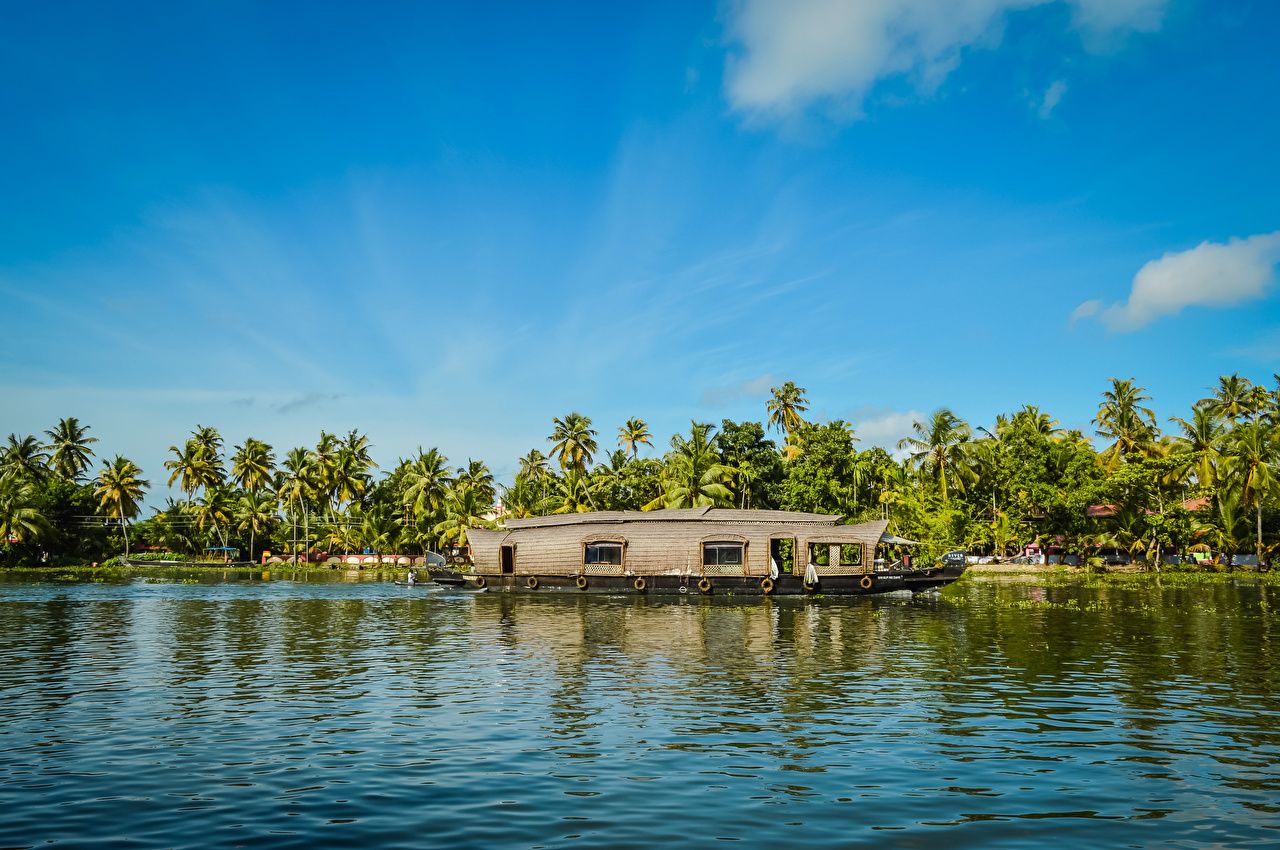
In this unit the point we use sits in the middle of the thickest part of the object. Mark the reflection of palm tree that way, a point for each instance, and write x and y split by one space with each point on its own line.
693 475
939 447
120 487
633 434
574 441
69 444
785 407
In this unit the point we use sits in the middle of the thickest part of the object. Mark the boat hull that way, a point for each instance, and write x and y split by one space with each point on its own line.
675 585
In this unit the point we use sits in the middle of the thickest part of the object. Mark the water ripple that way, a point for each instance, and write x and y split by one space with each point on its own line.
296 714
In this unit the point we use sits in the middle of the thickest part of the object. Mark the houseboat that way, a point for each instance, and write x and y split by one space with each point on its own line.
703 550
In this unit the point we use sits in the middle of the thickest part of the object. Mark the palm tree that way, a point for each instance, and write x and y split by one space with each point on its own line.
70 454
573 494
326 454
120 487
693 475
1123 419
208 437
1041 423
1227 528
462 510
379 531
574 441
23 459
214 511
349 475
20 519
1200 444
1234 398
1251 462
255 512
477 478
192 467
252 465
426 481
785 407
297 486
633 434
939 448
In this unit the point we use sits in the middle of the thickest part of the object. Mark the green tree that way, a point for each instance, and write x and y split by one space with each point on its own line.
253 465
1251 464
693 475
755 461
21 520
69 452
23 459
938 449
573 441
255 512
1234 399
1200 445
819 479
785 406
120 488
633 434
1123 419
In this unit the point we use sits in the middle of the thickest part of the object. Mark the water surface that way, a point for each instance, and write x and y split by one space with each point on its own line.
312 713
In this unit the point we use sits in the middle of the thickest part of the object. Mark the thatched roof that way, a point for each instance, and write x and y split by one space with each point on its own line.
705 514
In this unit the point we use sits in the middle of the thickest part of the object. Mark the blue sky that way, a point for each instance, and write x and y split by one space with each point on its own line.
446 225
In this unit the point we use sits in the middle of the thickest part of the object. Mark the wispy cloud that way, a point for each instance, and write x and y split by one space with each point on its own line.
792 55
743 390
1052 97
1212 274
304 401
884 428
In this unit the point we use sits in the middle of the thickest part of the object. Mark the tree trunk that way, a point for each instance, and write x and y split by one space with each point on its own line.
251 558
1258 508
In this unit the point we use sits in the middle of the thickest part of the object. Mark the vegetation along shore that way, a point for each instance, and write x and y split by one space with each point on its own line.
1195 492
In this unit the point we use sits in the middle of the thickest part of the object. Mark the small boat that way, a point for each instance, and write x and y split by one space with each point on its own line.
705 551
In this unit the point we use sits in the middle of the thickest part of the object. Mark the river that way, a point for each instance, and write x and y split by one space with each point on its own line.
316 712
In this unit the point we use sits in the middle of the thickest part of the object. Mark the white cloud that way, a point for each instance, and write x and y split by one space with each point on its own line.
1086 310
1052 97
753 388
1212 274
885 428
799 52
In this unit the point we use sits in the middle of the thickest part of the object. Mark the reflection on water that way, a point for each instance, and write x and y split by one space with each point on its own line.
305 713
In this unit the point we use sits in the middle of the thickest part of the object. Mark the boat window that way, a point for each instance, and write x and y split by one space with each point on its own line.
728 553
850 554
603 553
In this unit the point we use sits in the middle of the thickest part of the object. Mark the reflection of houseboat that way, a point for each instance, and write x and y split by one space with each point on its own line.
695 550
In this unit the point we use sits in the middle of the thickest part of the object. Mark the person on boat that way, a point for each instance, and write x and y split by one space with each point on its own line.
413 577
